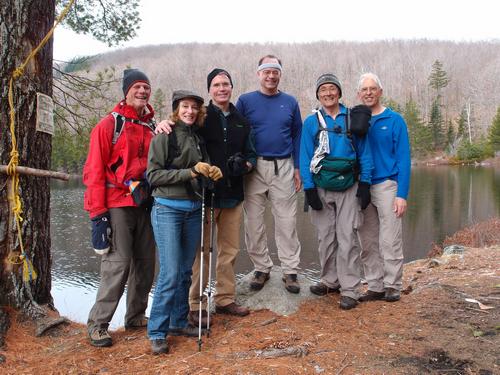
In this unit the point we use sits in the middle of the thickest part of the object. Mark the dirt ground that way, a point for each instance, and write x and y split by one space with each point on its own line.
431 330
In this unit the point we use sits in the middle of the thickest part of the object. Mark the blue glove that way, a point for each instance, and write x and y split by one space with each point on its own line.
101 233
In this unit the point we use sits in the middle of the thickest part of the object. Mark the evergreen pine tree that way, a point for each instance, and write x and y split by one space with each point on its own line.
438 79
461 123
436 125
450 135
494 132
158 103
420 137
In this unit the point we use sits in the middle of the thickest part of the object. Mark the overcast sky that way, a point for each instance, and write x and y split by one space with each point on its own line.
239 21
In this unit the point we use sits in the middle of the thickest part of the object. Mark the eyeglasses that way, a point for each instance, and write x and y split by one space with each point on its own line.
328 90
371 90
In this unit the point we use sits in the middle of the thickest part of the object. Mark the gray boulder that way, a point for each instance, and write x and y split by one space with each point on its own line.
273 295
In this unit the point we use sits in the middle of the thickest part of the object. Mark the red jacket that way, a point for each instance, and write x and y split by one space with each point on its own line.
108 166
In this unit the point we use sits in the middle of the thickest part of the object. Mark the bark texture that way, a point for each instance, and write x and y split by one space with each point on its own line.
23 24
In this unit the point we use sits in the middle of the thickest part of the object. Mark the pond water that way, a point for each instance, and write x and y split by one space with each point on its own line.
442 200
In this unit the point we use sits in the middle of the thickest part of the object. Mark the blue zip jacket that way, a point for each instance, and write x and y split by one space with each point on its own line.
388 137
340 146
275 121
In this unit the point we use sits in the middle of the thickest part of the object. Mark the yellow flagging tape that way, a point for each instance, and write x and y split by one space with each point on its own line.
29 272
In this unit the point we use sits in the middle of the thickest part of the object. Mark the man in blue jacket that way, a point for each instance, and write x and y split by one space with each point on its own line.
335 208
381 234
276 126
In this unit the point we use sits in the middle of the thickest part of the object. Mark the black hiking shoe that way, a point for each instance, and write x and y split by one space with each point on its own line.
291 283
258 280
159 346
321 289
392 295
370 295
188 331
347 303
100 337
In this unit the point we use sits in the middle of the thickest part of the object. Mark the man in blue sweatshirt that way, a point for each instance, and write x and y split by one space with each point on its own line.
381 233
276 126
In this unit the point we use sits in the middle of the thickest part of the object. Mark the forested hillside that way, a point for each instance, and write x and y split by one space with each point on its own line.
450 89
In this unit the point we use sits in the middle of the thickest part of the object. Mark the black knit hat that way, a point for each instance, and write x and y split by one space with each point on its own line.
215 73
178 95
131 76
328 78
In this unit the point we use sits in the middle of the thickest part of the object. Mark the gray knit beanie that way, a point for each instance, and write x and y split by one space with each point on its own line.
328 78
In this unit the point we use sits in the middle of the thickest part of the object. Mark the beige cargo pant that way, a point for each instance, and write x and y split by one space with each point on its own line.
227 240
336 224
272 180
382 239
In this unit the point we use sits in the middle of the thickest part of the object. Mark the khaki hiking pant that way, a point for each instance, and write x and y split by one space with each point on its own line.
338 250
227 240
131 262
382 239
272 180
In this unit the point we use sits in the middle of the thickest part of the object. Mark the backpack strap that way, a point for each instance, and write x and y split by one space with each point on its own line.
120 122
173 148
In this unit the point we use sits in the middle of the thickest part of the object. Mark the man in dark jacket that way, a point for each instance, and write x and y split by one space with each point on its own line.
227 136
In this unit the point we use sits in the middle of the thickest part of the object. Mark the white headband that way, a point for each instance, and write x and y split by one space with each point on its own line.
268 66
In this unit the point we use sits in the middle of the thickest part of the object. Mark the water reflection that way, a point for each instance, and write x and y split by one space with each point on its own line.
442 200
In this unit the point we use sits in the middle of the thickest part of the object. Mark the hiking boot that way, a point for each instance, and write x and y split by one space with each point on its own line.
194 318
137 324
159 346
321 289
291 283
100 337
188 331
232 309
370 295
258 280
392 295
347 303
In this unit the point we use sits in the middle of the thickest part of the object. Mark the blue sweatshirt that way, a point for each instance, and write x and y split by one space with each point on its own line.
388 137
340 146
275 121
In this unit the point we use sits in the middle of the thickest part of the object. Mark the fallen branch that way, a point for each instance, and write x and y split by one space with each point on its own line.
291 351
37 172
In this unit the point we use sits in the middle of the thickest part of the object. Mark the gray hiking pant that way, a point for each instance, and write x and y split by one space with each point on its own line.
382 239
336 224
131 262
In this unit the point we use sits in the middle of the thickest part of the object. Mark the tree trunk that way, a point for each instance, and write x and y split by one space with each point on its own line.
23 24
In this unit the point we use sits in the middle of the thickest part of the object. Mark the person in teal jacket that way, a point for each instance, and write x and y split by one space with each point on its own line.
381 233
335 212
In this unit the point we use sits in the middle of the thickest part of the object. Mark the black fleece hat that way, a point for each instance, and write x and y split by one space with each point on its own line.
328 78
215 73
131 76
178 95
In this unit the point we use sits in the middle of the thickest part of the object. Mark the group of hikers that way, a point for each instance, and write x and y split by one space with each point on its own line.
150 185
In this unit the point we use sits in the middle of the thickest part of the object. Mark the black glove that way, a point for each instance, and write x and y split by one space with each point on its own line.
237 165
101 233
363 194
313 199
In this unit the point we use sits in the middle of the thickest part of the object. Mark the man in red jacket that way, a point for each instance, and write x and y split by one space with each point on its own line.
121 229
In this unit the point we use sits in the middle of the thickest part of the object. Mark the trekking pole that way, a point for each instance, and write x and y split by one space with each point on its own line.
211 251
201 260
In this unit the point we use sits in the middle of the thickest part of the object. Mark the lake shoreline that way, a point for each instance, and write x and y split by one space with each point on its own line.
440 330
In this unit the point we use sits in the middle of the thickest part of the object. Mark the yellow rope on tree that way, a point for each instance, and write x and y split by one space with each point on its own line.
29 272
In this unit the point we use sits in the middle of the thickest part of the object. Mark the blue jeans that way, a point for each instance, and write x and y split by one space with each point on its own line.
177 235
